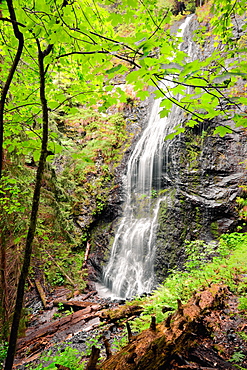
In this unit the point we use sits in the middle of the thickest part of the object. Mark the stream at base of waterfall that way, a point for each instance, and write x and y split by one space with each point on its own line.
130 270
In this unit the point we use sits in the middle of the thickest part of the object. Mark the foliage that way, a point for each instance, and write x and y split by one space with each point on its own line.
96 148
243 302
94 341
242 203
3 352
119 343
154 194
62 312
237 357
198 253
68 357
61 57
242 335
229 260
204 12
92 57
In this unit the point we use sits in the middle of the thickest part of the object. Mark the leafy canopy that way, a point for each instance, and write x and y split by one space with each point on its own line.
94 44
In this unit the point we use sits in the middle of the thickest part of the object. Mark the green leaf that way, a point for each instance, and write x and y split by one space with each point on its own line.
222 130
114 69
142 94
242 100
36 155
164 113
171 136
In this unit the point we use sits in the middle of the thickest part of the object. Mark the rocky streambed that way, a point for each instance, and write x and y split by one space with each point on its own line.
70 319
207 332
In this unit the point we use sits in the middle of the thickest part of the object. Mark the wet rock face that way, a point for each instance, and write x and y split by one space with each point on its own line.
202 177
103 229
202 174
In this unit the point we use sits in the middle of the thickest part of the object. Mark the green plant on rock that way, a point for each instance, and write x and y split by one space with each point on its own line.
243 302
229 259
198 253
94 341
91 167
154 193
242 203
119 343
56 279
65 268
68 357
242 335
237 357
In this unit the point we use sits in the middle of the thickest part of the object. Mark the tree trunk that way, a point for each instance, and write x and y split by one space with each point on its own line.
34 213
4 288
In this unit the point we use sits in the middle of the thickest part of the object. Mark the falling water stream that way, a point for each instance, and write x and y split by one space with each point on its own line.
130 268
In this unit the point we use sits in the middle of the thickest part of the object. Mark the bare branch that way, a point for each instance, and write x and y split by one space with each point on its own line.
115 42
12 21
20 106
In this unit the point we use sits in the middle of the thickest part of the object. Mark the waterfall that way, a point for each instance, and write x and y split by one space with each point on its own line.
130 268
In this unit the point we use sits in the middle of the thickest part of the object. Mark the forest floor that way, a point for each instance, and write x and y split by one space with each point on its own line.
211 337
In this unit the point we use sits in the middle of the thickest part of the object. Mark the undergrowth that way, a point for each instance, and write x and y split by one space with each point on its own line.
227 264
68 357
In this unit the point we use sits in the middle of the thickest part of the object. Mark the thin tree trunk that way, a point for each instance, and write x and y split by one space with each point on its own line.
4 287
33 219
6 86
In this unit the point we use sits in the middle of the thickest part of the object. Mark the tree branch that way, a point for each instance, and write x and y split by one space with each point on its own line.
158 26
82 53
20 106
115 42
14 22
176 102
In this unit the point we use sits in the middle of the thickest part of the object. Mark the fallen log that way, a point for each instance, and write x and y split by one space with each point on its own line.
76 305
86 296
153 349
40 337
122 312
206 357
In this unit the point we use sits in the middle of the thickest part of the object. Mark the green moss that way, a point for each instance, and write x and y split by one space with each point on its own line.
93 157
214 228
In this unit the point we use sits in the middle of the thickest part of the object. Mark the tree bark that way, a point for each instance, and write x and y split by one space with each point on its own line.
155 349
4 287
33 218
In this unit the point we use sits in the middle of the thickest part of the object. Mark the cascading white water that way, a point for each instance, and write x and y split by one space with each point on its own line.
130 269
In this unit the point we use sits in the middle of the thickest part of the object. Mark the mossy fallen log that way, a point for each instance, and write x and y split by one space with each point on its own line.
121 312
155 349
75 305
